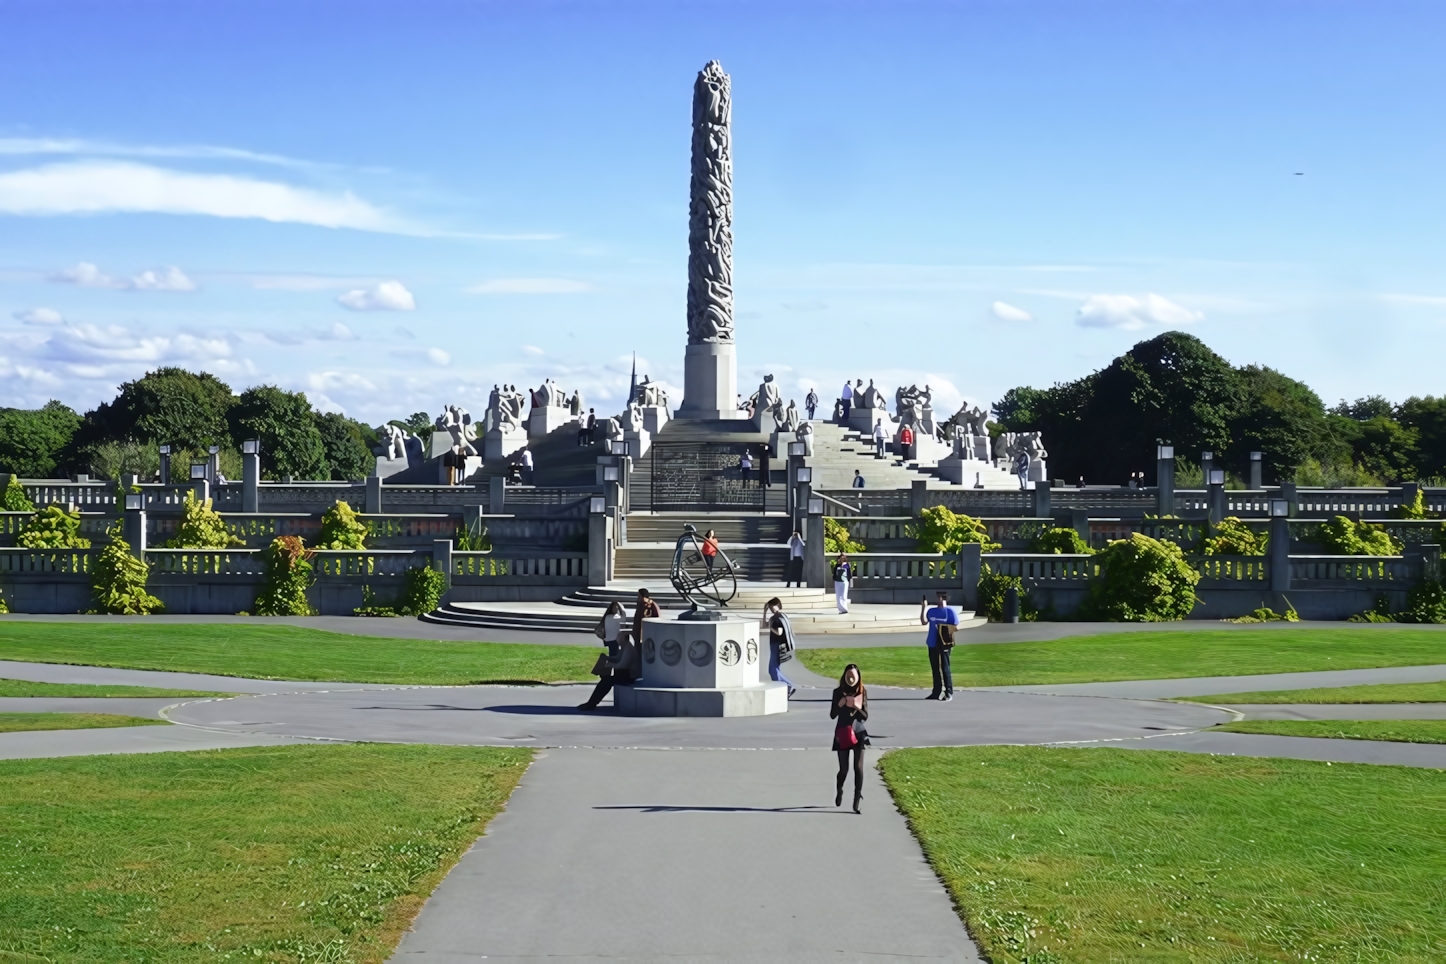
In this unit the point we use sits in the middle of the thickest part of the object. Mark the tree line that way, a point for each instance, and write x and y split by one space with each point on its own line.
1174 389
190 412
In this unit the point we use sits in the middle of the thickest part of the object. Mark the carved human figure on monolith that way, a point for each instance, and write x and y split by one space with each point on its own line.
710 210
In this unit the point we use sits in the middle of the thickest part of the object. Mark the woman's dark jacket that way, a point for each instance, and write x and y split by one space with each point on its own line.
854 718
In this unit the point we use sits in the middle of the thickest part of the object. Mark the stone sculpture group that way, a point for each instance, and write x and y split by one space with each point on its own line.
710 210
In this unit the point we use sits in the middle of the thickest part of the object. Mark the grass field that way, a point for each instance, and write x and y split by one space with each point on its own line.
297 853
1376 693
20 687
1092 856
1157 655
290 652
1395 731
22 722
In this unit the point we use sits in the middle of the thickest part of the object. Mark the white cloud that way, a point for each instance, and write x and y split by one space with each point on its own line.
339 332
163 279
39 316
530 286
86 275
1129 312
382 296
76 146
438 357
532 350
97 187
1007 312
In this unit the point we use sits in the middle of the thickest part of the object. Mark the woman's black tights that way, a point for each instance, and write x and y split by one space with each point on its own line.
843 769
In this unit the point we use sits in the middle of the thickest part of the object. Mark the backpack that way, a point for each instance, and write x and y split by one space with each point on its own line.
946 635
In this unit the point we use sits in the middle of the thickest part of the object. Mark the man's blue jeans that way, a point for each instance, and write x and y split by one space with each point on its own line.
775 673
939 667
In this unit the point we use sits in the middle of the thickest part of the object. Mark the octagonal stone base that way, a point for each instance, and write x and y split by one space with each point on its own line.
701 669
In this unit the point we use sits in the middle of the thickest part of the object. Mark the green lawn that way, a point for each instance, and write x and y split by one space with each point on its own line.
1375 693
1395 731
296 853
1102 855
20 687
20 722
1156 655
290 652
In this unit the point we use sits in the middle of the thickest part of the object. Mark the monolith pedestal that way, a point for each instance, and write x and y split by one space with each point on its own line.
701 668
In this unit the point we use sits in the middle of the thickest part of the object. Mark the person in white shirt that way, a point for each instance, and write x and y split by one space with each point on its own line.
745 465
795 560
527 466
879 439
847 398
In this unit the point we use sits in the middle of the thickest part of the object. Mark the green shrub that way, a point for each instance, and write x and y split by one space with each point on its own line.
1267 615
288 576
54 528
341 529
992 588
1425 603
1344 537
1231 537
939 530
118 580
4 606
1141 580
1415 509
1380 613
1060 541
15 499
836 538
478 541
423 590
1334 475
201 527
372 607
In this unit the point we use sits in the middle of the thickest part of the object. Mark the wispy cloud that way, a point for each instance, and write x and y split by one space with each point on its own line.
34 146
382 296
530 286
87 275
1007 312
1129 312
1416 299
39 316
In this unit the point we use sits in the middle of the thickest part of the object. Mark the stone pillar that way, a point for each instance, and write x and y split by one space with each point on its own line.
625 467
918 497
442 559
134 531
1207 462
815 563
496 495
1041 500
1165 480
1257 473
1079 520
1408 492
1215 499
202 489
599 549
1280 554
1288 493
165 465
970 568
710 382
374 495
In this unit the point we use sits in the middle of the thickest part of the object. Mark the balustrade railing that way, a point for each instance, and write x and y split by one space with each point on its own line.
486 566
891 568
51 562
1231 569
83 495
207 562
1038 568
1353 569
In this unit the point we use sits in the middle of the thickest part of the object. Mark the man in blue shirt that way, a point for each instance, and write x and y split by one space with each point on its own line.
939 653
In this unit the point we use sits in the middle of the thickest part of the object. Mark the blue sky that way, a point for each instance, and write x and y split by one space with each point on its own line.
394 206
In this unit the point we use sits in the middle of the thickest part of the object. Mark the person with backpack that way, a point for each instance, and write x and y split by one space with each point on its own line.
780 642
646 609
943 624
710 550
850 707
843 577
616 666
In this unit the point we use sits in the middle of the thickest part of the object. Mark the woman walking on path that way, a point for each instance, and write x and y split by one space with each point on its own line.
780 642
843 577
618 668
710 550
851 708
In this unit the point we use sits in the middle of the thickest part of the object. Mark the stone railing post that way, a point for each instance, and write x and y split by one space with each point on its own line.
599 543
1164 480
969 572
1215 499
1288 493
1279 547
1079 520
442 559
496 495
374 494
133 526
165 465
815 562
1041 499
1408 492
1257 470
918 497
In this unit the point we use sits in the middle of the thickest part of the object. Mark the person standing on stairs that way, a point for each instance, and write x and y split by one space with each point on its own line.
858 481
811 403
765 475
796 546
710 550
943 623
906 442
745 466
619 663
843 577
846 400
879 439
780 642
850 708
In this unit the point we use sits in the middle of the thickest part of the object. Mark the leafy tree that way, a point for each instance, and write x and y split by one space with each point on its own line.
1427 418
119 580
1387 449
419 424
111 460
1279 417
993 587
348 446
1060 541
15 499
1364 409
1142 580
169 406
288 576
1415 509
1343 536
939 530
53 528
33 441
1231 537
341 529
836 537
201 527
283 421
